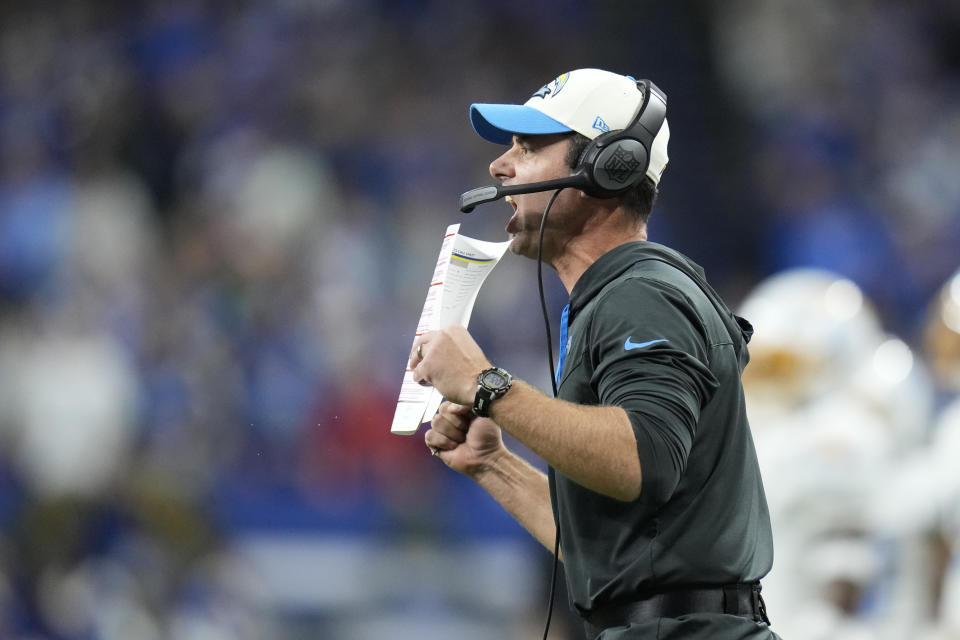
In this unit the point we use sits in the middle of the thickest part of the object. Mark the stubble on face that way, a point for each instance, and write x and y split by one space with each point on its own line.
543 158
564 223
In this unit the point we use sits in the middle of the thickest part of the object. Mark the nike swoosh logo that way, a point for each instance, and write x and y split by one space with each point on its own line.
640 345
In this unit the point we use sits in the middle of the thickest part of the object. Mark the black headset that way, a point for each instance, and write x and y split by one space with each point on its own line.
616 161
612 164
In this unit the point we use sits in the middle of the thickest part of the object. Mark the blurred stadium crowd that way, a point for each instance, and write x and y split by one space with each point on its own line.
217 222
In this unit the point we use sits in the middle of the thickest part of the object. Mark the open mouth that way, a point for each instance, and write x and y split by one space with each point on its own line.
513 225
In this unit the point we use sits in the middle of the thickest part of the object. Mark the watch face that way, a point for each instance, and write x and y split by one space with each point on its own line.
494 380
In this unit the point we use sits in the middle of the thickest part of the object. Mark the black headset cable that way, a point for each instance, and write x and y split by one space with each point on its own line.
553 382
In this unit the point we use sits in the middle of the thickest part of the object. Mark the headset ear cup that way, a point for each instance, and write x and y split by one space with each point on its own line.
620 165
588 164
616 161
613 164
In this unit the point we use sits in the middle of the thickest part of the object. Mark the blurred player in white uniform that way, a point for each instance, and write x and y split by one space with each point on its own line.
834 403
940 476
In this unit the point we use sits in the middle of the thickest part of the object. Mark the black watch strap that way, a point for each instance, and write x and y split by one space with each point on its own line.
492 383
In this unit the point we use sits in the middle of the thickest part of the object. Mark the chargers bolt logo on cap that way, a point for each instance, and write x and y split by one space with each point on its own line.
552 88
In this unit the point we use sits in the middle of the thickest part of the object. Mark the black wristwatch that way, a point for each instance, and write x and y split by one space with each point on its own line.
492 383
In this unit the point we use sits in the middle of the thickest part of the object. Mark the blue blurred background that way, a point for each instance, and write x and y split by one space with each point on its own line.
217 224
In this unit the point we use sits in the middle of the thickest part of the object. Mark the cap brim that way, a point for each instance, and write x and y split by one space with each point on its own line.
498 122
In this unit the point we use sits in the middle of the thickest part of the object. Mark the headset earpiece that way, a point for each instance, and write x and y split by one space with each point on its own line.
616 161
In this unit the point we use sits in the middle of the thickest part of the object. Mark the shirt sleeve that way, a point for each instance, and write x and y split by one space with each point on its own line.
650 355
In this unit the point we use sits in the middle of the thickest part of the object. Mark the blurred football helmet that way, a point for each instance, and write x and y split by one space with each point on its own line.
813 330
942 334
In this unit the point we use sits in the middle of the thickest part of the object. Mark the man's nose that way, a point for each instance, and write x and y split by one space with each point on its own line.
502 168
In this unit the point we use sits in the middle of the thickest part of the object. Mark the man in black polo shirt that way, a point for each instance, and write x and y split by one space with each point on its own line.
653 479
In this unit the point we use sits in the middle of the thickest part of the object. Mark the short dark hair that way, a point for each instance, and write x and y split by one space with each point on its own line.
638 200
